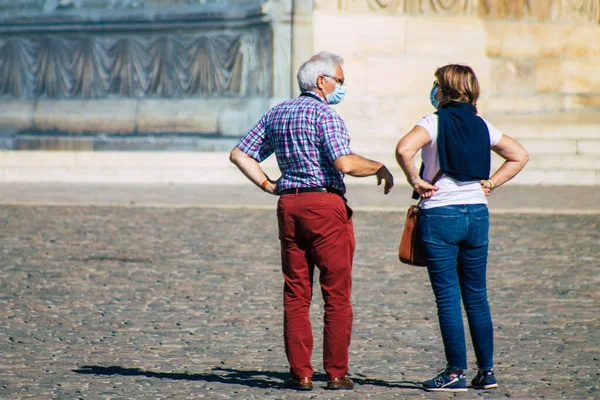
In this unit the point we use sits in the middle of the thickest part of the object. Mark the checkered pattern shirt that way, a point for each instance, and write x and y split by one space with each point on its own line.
306 136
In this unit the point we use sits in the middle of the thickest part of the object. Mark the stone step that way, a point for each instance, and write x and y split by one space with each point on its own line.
542 134
570 126
536 161
589 147
212 168
542 169
564 150
123 167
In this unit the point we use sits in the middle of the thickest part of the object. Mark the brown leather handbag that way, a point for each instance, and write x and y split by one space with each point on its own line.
411 250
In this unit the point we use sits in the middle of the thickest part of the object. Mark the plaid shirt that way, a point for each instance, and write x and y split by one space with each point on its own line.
306 136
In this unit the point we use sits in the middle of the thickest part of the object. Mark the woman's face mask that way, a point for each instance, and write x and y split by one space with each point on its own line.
434 102
337 95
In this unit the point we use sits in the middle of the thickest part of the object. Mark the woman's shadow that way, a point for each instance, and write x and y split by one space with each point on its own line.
255 379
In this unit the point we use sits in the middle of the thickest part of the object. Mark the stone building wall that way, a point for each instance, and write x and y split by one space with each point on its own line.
536 62
97 69
530 57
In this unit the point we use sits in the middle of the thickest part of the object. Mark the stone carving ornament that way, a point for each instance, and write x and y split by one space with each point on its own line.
61 5
390 5
582 10
570 11
567 11
409 7
224 64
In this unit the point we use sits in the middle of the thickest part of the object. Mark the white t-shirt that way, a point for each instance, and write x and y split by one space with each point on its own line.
451 192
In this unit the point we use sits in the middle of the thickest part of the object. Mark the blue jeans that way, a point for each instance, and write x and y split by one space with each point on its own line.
456 241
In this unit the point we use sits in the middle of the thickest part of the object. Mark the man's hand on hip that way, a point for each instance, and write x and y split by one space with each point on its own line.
272 187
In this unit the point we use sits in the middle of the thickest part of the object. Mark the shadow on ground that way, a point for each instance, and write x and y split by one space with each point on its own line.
255 379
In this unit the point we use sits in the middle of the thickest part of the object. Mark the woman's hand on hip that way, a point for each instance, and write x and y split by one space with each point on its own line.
424 188
487 186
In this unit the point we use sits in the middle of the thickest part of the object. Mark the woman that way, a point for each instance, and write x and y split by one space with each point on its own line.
454 220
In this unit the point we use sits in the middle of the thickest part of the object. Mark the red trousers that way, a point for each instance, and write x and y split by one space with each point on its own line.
315 229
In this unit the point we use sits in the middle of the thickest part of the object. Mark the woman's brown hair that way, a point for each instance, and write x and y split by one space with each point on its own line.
458 83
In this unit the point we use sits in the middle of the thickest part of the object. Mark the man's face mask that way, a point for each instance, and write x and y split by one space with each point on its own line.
338 93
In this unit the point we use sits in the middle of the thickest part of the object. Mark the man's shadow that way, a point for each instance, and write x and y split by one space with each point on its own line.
255 379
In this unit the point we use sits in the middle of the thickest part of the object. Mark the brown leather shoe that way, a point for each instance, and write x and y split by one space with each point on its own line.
298 383
344 383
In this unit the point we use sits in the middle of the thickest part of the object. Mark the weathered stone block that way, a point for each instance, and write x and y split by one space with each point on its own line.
581 76
512 77
16 114
525 40
137 175
38 159
501 35
589 146
583 42
237 116
59 174
55 143
81 116
334 7
548 76
557 146
571 76
109 159
177 116
283 78
413 75
568 162
441 36
550 125
551 39
359 34
400 75
555 177
577 102
211 171
520 104
371 117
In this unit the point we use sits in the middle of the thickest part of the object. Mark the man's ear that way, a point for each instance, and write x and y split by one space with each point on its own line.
320 84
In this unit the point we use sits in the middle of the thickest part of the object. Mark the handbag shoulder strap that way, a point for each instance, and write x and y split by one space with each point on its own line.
437 176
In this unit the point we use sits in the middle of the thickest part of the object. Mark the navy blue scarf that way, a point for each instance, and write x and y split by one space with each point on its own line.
463 143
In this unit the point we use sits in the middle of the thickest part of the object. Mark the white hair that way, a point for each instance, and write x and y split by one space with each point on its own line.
320 64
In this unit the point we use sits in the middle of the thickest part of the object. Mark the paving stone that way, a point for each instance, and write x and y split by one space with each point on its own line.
122 302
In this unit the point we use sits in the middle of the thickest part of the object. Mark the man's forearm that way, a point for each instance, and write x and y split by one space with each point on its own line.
355 165
249 166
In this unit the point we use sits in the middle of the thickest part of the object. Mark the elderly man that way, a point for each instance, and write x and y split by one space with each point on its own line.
312 147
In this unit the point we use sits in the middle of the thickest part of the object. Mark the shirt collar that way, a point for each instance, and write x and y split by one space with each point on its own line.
314 95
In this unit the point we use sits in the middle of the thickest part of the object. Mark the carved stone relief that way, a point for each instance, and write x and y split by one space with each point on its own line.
570 11
66 5
451 6
387 5
409 7
21 5
53 66
582 10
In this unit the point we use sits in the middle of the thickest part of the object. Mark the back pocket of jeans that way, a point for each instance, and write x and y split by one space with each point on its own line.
439 229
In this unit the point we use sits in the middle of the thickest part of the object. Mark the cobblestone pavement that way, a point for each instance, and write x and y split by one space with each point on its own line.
171 302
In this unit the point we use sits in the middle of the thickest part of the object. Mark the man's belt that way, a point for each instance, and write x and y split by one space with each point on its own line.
312 190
